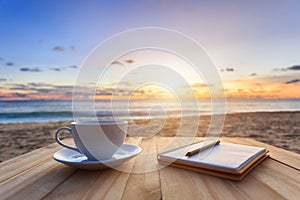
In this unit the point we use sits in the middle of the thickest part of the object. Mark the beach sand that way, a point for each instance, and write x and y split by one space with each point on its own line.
281 129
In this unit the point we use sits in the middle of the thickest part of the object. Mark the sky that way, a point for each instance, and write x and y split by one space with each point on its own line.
255 44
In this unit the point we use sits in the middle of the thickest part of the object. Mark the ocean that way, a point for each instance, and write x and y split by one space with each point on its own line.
55 111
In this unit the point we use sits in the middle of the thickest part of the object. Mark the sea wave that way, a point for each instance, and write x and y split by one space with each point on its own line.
57 116
55 111
35 114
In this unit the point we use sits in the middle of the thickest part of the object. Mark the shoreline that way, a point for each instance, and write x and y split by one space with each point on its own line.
281 129
137 117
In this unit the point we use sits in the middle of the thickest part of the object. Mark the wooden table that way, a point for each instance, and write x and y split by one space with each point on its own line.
36 175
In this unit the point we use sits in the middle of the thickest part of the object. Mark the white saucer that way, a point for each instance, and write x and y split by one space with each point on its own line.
78 160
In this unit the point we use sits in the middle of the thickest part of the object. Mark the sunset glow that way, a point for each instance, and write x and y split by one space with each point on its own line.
255 46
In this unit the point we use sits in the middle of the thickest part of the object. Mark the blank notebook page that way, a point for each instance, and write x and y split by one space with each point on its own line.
225 155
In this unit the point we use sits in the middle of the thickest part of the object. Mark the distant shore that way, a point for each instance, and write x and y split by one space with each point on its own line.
281 129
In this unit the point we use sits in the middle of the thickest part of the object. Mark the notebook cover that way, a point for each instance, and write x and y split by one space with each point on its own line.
225 175
225 157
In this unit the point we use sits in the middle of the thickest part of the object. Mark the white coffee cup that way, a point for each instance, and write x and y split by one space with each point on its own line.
98 140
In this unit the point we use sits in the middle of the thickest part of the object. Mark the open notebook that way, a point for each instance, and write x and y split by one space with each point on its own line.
226 160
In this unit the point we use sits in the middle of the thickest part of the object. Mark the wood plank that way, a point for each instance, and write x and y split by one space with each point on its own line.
102 184
270 178
35 175
25 162
142 185
184 184
215 188
35 182
77 186
113 188
289 158
176 183
280 178
248 188
169 143
180 183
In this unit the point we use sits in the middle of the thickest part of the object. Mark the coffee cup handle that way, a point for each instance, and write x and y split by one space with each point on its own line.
60 142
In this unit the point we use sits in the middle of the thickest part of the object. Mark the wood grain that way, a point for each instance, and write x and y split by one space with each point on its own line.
37 176
281 155
146 185
32 175
263 181
25 162
35 182
103 184
176 183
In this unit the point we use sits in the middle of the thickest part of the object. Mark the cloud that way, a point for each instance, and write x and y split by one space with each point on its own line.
200 85
10 64
43 90
294 68
58 48
20 95
18 85
72 48
38 91
12 95
253 74
73 67
104 93
27 69
39 84
64 87
129 61
229 69
56 69
117 63
3 79
20 88
1 58
111 91
280 69
293 81
34 87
